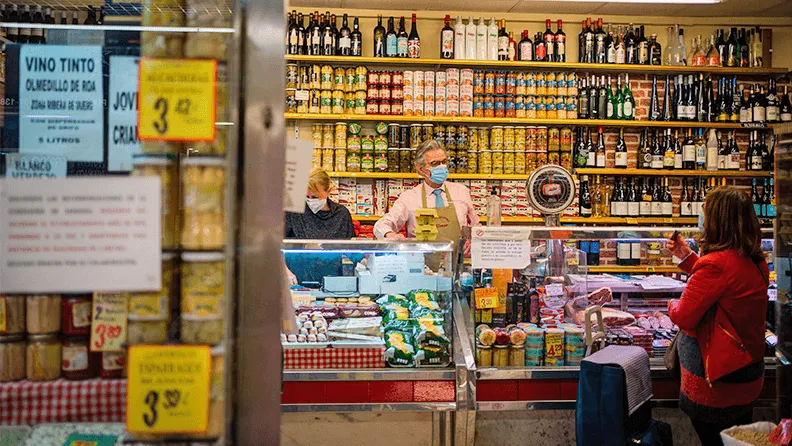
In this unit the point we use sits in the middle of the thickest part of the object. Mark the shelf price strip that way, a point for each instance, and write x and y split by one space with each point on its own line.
168 389
177 100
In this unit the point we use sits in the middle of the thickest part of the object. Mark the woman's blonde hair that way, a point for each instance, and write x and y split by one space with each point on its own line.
319 178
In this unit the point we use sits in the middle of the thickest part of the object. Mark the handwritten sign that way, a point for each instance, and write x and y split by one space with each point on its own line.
168 389
109 322
486 298
178 99
500 248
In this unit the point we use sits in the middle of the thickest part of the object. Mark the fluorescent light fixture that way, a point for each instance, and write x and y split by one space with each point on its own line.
655 2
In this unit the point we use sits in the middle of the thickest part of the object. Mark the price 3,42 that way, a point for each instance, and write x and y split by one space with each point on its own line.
183 107
171 399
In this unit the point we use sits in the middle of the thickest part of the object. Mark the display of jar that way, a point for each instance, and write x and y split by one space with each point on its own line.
43 314
155 305
166 168
217 146
207 45
43 358
203 211
202 297
146 331
112 365
484 355
77 361
12 358
76 315
500 356
12 320
517 355
162 13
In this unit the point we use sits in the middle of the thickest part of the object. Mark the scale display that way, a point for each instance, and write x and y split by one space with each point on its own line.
551 189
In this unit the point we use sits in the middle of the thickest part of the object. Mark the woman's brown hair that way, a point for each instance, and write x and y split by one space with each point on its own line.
730 223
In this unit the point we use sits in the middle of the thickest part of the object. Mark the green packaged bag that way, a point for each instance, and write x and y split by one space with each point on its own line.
386 299
431 355
399 349
431 332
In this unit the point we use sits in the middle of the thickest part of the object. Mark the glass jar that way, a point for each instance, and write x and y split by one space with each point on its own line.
166 169
12 320
78 362
216 378
155 305
202 298
146 331
76 315
517 355
43 359
202 330
203 211
484 355
112 365
12 358
43 314
500 357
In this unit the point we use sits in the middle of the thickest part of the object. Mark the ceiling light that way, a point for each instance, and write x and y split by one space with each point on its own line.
656 2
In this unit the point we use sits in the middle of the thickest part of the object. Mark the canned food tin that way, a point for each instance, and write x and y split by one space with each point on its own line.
566 139
439 133
485 162
554 158
551 84
530 139
541 139
473 138
497 162
429 79
484 139
472 161
466 76
315 73
508 162
520 83
385 107
478 105
489 105
554 139
418 79
572 85
304 78
549 102
408 78
500 82
384 93
372 107
393 159
397 93
397 79
500 106
511 82
406 160
292 75
519 137
385 78
373 78
326 77
566 160
441 79
478 82
452 76
396 107
496 136
361 78
541 109
452 107
339 79
407 107
530 84
560 106
489 82
508 135
367 162
367 143
314 100
510 106
541 84
466 108
316 159
338 101
291 100
418 107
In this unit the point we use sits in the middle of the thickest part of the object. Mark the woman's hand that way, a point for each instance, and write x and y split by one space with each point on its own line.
292 277
679 247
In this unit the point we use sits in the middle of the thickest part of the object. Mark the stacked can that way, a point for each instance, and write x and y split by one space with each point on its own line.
354 147
496 141
554 347
519 150
381 147
473 150
534 346
324 89
510 94
405 152
575 348
393 147
484 151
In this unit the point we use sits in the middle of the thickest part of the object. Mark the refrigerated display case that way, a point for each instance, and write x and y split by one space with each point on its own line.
783 267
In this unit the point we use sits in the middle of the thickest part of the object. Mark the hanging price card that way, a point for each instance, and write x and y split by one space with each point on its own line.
168 389
108 322
177 99
486 298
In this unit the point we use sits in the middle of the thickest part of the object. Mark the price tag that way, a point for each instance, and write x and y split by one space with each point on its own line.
177 99
168 389
555 290
301 95
668 220
632 221
486 298
650 269
108 322
554 346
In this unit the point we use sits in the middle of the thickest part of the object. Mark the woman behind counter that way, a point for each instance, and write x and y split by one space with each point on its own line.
722 316
323 219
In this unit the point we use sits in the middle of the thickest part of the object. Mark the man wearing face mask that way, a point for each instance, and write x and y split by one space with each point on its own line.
323 219
451 200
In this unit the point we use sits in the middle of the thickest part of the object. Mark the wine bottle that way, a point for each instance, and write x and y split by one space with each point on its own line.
745 61
667 111
621 50
549 40
448 39
655 53
620 157
736 99
629 100
668 154
722 154
610 47
503 41
720 44
591 152
630 46
328 37
734 154
668 202
767 156
593 99
689 152
678 164
392 39
654 105
644 151
345 37
732 49
759 106
643 48
701 150
600 50
757 200
379 39
37 33
414 41
657 152
589 53
602 104
772 109
560 43
583 100
356 39
618 99
785 113
600 157
526 47
633 200
684 200
657 198
645 207
585 197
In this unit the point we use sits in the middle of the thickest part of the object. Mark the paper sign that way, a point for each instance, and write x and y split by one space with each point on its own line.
20 165
505 254
555 290
298 167
122 113
486 298
178 99
168 389
384 265
109 322
78 235
61 94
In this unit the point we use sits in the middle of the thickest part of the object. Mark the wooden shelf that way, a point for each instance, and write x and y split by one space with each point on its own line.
452 176
578 220
633 269
513 121
673 173
541 66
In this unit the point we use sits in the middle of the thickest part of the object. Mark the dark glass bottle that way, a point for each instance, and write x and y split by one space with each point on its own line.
720 45
525 48
633 200
345 38
654 102
643 48
585 197
293 40
583 100
447 39
600 46
316 35
593 99
391 43
600 156
655 56
785 113
772 110
657 152
356 39
37 18
414 41
620 156
24 17
379 39
732 50
744 51
630 47
560 43
588 43
549 40
402 40
328 37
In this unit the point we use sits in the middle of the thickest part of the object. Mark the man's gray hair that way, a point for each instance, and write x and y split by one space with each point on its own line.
426 146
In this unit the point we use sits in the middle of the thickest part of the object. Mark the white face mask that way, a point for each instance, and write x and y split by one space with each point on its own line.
316 204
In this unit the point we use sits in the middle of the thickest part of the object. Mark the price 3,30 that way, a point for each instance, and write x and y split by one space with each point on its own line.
171 399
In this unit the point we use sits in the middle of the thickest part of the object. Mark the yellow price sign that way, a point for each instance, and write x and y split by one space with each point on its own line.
632 221
486 298
168 389
177 100
109 322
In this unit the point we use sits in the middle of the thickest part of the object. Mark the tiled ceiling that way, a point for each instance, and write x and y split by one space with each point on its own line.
727 8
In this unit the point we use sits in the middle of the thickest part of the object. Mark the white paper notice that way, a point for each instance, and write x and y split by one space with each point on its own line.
122 88
298 167
61 96
390 264
499 248
77 235
19 165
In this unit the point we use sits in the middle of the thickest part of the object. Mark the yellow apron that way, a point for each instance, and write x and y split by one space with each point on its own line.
448 227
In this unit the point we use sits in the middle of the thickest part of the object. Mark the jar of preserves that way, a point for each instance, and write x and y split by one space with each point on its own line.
340 160
472 161
155 305
353 162
12 320
393 159
517 355
327 159
484 355
405 160
146 331
508 162
112 365
76 314
201 330
500 356
43 314
43 358
12 358
519 162
485 162
78 362
203 210
166 169
497 162
203 297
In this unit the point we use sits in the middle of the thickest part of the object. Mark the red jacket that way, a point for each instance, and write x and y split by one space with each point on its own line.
731 336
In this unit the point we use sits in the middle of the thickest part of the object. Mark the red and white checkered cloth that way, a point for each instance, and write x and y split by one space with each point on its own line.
94 400
333 358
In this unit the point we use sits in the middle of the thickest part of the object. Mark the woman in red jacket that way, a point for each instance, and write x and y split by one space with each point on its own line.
722 316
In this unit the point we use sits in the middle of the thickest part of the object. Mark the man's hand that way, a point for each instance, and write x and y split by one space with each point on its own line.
394 236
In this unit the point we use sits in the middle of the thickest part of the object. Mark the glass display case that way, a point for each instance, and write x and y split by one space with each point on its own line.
783 270
365 304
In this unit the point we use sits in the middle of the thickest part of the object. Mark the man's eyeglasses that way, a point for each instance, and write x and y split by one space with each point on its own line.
437 163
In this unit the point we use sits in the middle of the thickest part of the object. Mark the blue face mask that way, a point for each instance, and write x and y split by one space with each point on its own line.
438 174
701 222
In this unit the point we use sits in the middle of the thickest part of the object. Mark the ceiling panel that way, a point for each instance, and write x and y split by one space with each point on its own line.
550 7
732 8
314 4
431 5
783 9
610 9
